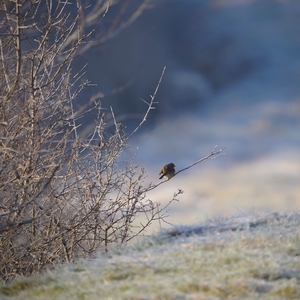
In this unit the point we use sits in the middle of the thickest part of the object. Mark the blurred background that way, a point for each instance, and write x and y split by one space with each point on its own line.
232 79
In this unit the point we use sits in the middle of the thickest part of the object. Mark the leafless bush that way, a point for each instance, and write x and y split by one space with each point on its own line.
61 197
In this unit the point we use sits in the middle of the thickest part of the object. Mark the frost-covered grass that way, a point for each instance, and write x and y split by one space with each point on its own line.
237 258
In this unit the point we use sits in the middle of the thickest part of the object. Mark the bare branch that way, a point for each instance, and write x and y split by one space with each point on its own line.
150 104
214 154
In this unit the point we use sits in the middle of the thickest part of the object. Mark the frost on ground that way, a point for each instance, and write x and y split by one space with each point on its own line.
255 257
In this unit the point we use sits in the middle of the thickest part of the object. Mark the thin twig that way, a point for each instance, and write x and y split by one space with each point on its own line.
117 126
214 154
150 104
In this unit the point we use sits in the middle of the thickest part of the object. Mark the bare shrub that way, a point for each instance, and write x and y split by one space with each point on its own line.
61 197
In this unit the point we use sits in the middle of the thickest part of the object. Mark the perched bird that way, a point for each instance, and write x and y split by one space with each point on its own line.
168 171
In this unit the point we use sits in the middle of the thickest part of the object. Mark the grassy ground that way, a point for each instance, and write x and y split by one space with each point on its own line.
238 258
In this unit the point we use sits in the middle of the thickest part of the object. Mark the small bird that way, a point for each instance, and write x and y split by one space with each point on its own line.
168 171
